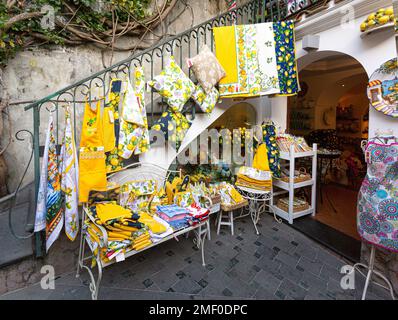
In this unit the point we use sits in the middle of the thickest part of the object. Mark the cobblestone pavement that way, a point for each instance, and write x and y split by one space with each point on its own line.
280 263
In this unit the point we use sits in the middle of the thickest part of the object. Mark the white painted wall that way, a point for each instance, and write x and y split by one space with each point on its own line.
371 51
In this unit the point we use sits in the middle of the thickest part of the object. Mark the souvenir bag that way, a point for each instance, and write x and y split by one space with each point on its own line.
140 195
92 171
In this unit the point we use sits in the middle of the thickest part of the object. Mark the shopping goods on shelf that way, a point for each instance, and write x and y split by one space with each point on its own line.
300 175
254 178
286 140
298 204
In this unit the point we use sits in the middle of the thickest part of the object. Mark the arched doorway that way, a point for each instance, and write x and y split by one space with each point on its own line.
332 110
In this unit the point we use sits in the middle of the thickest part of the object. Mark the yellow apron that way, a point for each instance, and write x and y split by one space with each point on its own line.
260 160
92 171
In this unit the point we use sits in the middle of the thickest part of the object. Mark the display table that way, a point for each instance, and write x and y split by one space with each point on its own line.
327 157
257 200
201 231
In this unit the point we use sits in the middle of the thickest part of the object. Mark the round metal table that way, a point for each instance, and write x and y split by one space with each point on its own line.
257 204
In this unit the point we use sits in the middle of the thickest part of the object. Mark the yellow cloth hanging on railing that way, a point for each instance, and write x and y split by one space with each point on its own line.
109 129
92 170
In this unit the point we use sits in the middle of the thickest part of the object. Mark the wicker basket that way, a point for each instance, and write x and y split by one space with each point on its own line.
304 176
231 207
297 208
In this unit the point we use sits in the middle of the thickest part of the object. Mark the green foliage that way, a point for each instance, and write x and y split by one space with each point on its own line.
85 18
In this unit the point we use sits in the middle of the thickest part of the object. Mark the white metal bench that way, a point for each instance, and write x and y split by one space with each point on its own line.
137 171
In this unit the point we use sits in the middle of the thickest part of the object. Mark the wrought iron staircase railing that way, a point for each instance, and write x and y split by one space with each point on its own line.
181 46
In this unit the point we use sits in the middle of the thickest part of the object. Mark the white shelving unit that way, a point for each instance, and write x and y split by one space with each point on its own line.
289 187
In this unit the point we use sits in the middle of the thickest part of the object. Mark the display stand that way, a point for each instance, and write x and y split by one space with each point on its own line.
291 186
370 273
135 172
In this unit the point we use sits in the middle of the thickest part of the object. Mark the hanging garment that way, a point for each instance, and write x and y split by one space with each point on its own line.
286 57
92 170
377 217
260 160
134 135
108 125
269 138
70 176
113 161
49 211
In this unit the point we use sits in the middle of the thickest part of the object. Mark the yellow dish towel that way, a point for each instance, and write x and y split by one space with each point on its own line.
151 223
109 130
110 211
260 160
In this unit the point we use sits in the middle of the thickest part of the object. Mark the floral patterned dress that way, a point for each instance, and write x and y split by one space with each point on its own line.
378 197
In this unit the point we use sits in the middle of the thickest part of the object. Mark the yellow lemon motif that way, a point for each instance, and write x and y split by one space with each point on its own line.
384 19
389 11
114 162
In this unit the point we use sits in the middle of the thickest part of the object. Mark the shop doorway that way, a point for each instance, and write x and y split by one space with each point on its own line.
332 110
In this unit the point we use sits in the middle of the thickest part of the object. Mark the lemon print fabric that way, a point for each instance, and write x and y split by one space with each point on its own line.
206 101
286 57
269 138
258 59
133 135
174 126
173 85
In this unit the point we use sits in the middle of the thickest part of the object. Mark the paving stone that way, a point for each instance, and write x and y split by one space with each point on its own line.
313 283
288 288
307 251
310 266
187 285
267 281
328 272
291 273
287 259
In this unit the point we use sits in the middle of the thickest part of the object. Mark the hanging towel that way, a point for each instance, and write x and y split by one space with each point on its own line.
134 135
70 177
286 57
113 161
225 43
49 212
92 170
108 125
267 65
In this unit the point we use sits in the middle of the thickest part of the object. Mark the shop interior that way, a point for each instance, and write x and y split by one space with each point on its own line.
332 111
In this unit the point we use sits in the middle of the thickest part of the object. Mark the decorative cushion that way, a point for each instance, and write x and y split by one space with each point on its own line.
205 101
174 125
207 69
173 85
